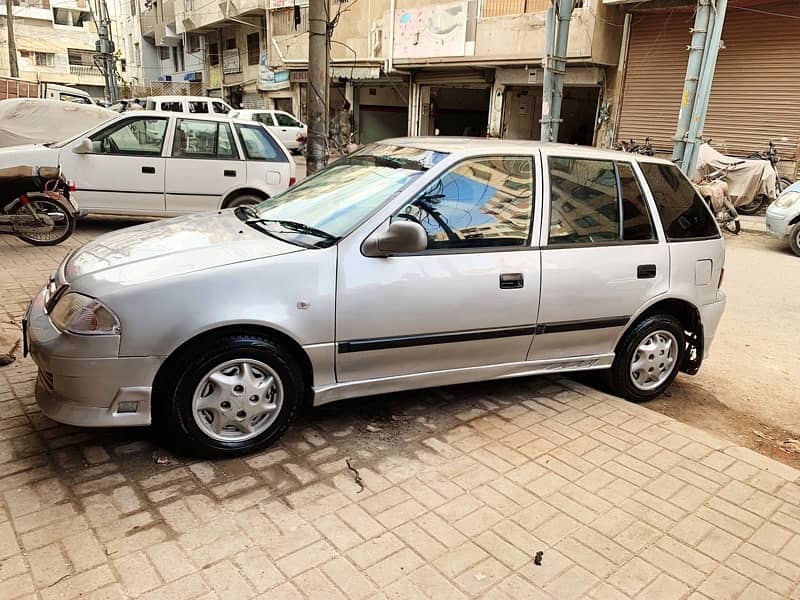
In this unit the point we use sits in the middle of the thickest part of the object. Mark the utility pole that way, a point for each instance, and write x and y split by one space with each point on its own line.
318 59
697 51
104 49
555 66
12 42
698 116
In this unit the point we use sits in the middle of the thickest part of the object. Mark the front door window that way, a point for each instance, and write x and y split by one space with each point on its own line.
482 202
132 137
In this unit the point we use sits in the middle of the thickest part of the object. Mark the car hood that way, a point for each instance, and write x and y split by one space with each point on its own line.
28 154
170 248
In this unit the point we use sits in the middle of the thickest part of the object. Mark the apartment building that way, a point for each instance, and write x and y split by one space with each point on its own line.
55 42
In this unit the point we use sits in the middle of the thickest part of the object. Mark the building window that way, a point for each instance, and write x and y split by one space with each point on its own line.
194 43
70 17
213 54
76 56
283 21
230 44
163 52
499 8
43 59
253 48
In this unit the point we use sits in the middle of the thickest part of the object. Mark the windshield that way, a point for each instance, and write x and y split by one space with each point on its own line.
340 197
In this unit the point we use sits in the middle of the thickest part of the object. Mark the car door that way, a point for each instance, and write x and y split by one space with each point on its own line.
471 299
203 165
602 260
268 166
287 128
124 172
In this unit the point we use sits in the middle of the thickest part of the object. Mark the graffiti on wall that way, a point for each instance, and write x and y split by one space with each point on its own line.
438 30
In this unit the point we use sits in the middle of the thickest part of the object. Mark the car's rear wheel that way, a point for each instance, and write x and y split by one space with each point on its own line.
648 358
236 394
794 239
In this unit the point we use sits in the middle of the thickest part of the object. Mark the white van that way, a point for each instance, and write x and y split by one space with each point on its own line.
188 104
54 91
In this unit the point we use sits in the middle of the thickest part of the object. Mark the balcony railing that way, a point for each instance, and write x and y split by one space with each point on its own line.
84 71
499 8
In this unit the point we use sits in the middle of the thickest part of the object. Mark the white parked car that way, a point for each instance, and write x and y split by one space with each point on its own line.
197 105
166 164
282 125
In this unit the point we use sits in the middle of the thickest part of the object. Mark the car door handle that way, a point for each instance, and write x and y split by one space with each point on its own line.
151 170
646 271
511 281
229 173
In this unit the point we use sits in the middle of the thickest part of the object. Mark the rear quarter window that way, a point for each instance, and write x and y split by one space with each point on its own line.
683 212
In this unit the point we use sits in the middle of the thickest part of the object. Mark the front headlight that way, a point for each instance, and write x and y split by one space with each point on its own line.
81 314
788 199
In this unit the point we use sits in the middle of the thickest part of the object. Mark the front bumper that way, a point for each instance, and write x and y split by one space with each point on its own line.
81 379
710 315
778 221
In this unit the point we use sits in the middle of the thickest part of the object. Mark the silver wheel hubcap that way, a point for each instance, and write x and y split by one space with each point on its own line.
237 400
654 360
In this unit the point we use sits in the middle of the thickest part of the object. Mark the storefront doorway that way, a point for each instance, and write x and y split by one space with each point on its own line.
459 111
522 111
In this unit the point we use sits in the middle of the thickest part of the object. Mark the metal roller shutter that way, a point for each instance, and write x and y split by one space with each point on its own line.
756 85
657 59
757 82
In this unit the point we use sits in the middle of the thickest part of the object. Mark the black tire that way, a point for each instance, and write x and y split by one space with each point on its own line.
733 226
176 399
794 239
620 378
244 200
52 238
783 183
752 207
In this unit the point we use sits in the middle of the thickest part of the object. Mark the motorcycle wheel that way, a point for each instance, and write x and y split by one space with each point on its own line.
63 226
733 226
752 207
783 183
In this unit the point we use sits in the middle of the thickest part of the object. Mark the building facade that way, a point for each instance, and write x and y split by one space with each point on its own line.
55 42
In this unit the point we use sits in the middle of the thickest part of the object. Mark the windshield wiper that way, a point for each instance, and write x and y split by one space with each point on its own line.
299 227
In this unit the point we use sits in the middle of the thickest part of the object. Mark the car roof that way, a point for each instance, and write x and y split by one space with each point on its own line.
183 115
473 146
193 98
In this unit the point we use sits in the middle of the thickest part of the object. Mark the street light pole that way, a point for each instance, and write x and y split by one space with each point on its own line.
12 44
318 59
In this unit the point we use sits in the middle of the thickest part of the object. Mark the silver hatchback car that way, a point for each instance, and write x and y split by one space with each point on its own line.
412 263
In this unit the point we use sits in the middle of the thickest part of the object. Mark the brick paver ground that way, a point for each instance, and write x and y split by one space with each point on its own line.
463 486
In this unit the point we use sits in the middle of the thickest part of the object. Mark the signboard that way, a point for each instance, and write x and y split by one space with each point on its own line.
230 61
268 78
437 30
278 4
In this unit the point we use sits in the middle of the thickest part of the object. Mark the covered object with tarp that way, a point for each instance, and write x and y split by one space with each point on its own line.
746 179
35 121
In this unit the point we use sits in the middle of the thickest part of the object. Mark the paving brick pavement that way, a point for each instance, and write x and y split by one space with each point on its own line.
462 487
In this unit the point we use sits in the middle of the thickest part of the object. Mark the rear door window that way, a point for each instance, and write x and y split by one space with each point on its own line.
259 145
198 107
172 106
683 212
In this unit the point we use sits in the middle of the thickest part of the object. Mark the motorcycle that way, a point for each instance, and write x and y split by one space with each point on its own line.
774 157
715 192
35 205
635 147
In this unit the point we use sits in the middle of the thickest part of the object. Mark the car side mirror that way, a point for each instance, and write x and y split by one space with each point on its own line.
400 237
83 147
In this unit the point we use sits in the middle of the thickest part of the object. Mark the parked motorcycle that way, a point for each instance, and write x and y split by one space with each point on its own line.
751 183
715 191
35 205
774 157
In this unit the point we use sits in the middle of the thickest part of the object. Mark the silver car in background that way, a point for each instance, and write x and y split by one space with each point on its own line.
783 217
412 263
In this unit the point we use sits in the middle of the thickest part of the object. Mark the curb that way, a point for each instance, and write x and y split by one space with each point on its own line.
753 224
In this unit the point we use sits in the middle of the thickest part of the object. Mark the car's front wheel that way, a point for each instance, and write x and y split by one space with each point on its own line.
648 358
234 395
794 239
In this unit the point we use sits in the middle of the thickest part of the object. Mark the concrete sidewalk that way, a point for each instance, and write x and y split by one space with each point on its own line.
444 493
753 223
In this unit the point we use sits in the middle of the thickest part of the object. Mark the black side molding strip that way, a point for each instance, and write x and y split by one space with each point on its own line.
410 341
565 326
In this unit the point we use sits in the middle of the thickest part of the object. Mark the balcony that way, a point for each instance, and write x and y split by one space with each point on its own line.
86 73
